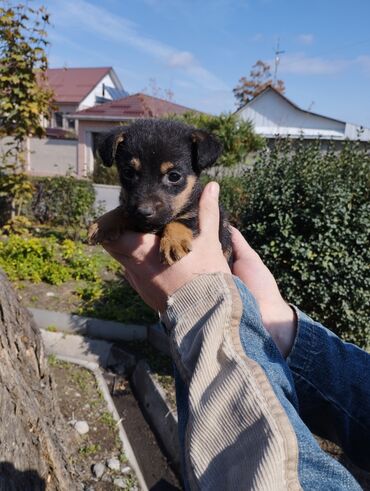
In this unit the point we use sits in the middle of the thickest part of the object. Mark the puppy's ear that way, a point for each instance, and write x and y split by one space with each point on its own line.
206 149
108 145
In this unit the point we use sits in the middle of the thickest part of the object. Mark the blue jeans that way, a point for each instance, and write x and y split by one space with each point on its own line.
323 387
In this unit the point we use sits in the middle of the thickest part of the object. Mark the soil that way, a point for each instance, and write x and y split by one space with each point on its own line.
60 298
161 367
155 467
80 399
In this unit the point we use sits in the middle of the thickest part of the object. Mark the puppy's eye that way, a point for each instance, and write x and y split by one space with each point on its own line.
174 176
128 173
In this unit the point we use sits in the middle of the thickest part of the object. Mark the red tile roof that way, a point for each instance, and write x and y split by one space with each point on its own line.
132 106
74 84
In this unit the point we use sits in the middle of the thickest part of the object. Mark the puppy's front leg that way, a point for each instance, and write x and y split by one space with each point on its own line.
108 227
175 242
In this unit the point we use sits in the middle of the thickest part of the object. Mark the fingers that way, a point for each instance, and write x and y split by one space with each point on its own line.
131 244
209 213
241 248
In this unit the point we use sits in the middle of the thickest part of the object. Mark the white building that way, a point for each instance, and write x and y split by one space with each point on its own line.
274 115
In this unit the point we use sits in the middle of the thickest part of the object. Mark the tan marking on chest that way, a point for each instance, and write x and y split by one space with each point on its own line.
165 167
182 199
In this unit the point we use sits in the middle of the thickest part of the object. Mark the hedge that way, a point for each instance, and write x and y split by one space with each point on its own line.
308 215
62 200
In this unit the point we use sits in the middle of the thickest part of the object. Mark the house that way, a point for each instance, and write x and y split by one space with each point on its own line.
104 117
79 88
274 115
74 89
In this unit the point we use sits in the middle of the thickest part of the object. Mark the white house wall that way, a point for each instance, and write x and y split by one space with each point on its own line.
271 114
90 99
355 132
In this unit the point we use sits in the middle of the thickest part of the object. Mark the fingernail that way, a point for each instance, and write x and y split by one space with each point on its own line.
214 189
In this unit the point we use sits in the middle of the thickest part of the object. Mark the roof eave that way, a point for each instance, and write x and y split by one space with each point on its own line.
98 117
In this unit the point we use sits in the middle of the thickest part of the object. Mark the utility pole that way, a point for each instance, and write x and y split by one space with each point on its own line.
278 52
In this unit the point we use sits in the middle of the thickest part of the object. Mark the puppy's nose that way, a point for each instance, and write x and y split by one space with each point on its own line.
146 210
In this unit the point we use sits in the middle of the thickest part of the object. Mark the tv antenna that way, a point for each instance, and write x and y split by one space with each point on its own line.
278 52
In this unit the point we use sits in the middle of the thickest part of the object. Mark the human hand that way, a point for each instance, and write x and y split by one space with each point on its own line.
154 281
277 316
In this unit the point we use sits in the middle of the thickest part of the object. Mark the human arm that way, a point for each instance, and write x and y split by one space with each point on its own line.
331 377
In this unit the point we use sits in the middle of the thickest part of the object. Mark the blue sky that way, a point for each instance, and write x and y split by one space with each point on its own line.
200 48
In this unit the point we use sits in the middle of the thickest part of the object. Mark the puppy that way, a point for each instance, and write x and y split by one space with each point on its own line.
159 163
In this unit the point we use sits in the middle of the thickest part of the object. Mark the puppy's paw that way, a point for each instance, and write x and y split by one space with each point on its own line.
175 242
108 227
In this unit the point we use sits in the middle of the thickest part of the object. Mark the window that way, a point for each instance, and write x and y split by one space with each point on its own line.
58 119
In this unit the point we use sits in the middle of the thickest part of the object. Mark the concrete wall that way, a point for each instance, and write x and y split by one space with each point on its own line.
52 156
107 196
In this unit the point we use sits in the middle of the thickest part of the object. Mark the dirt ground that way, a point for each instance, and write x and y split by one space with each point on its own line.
61 298
155 467
80 399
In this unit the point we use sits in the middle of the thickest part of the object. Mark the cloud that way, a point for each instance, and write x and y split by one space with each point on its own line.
300 64
181 59
306 39
97 21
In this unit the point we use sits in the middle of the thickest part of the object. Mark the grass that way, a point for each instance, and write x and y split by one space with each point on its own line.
52 328
52 360
90 449
82 378
107 419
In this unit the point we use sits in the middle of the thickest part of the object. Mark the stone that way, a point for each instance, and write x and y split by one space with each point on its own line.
119 483
125 469
113 464
81 427
98 469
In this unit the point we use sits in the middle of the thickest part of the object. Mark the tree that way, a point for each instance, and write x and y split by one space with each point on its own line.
33 455
237 136
157 91
260 77
24 102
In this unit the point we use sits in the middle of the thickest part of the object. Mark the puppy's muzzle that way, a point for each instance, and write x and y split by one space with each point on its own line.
145 211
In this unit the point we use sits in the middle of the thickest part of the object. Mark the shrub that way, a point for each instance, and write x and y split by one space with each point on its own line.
237 136
308 215
45 260
63 200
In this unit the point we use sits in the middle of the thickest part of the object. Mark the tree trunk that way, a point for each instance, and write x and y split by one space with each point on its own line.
33 455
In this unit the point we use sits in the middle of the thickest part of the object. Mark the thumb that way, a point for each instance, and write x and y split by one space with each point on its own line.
209 212
241 249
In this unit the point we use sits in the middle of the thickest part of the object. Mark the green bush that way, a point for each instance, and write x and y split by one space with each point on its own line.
308 215
62 201
45 260
237 136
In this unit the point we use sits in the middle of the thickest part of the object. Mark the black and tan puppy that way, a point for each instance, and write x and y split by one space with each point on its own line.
159 163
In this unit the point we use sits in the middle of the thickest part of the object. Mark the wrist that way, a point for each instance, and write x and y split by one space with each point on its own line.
282 327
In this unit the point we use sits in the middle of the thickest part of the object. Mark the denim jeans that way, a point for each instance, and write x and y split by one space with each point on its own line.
323 387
